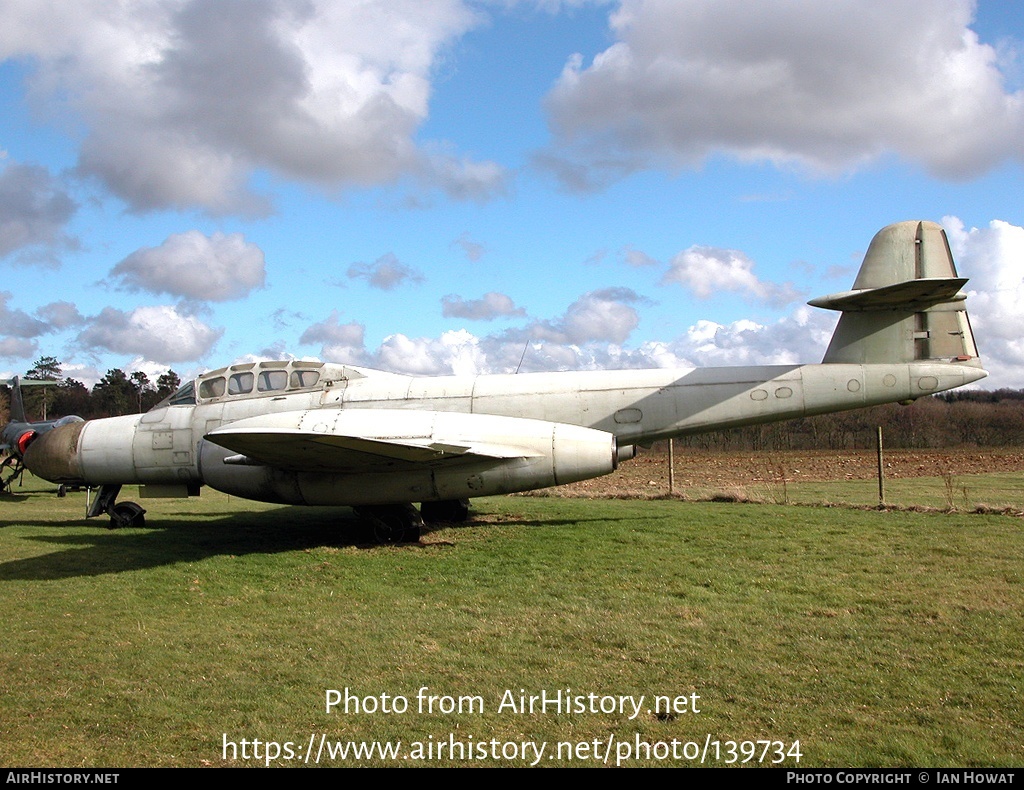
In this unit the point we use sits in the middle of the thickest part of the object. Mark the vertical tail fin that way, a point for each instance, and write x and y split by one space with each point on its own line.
906 304
17 404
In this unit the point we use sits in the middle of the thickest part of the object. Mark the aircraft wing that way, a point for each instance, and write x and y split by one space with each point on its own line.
365 439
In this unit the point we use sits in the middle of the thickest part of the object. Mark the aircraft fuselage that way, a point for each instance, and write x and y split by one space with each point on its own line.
168 448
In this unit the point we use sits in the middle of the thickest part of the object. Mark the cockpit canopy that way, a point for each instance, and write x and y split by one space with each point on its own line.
257 379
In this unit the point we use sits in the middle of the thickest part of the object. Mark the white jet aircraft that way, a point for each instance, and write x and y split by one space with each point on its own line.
316 433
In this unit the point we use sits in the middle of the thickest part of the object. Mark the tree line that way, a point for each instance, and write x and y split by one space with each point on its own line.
115 394
962 418
981 418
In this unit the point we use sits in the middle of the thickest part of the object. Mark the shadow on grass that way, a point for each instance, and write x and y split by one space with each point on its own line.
89 551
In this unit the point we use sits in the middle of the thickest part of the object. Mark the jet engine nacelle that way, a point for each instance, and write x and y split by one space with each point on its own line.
390 456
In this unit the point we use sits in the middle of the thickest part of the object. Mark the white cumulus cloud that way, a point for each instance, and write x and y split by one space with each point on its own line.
825 86
456 352
181 101
385 273
161 333
60 315
710 270
605 315
195 266
17 323
339 342
473 250
34 211
993 258
17 348
488 307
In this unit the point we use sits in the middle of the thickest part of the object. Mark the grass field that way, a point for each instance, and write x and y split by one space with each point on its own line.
872 638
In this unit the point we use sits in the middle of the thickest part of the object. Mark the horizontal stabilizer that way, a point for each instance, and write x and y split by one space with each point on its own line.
912 296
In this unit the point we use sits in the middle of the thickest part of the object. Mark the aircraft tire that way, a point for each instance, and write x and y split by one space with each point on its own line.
411 535
127 514
387 530
393 524
449 511
391 533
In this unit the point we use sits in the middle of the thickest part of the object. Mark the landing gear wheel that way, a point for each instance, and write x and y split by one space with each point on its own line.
393 523
387 528
127 514
449 511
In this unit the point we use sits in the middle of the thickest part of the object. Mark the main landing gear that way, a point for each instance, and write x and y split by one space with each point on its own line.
450 511
393 523
17 468
404 524
122 514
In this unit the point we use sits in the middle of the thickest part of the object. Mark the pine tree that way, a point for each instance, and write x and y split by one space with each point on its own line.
38 399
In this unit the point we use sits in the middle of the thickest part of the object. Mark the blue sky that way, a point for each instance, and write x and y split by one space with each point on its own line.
435 187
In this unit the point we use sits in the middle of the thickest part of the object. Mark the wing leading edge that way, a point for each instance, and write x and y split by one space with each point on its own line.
382 439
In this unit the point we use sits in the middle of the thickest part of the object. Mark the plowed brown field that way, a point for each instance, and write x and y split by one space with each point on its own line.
647 475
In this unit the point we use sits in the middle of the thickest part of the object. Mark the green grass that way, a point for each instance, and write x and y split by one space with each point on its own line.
874 638
960 492
1001 490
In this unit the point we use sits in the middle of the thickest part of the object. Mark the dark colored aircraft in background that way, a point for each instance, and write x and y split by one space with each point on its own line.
19 433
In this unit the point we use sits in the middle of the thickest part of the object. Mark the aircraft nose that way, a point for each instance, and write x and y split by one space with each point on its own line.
53 455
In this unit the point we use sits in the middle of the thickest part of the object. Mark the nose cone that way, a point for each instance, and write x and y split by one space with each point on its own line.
53 455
